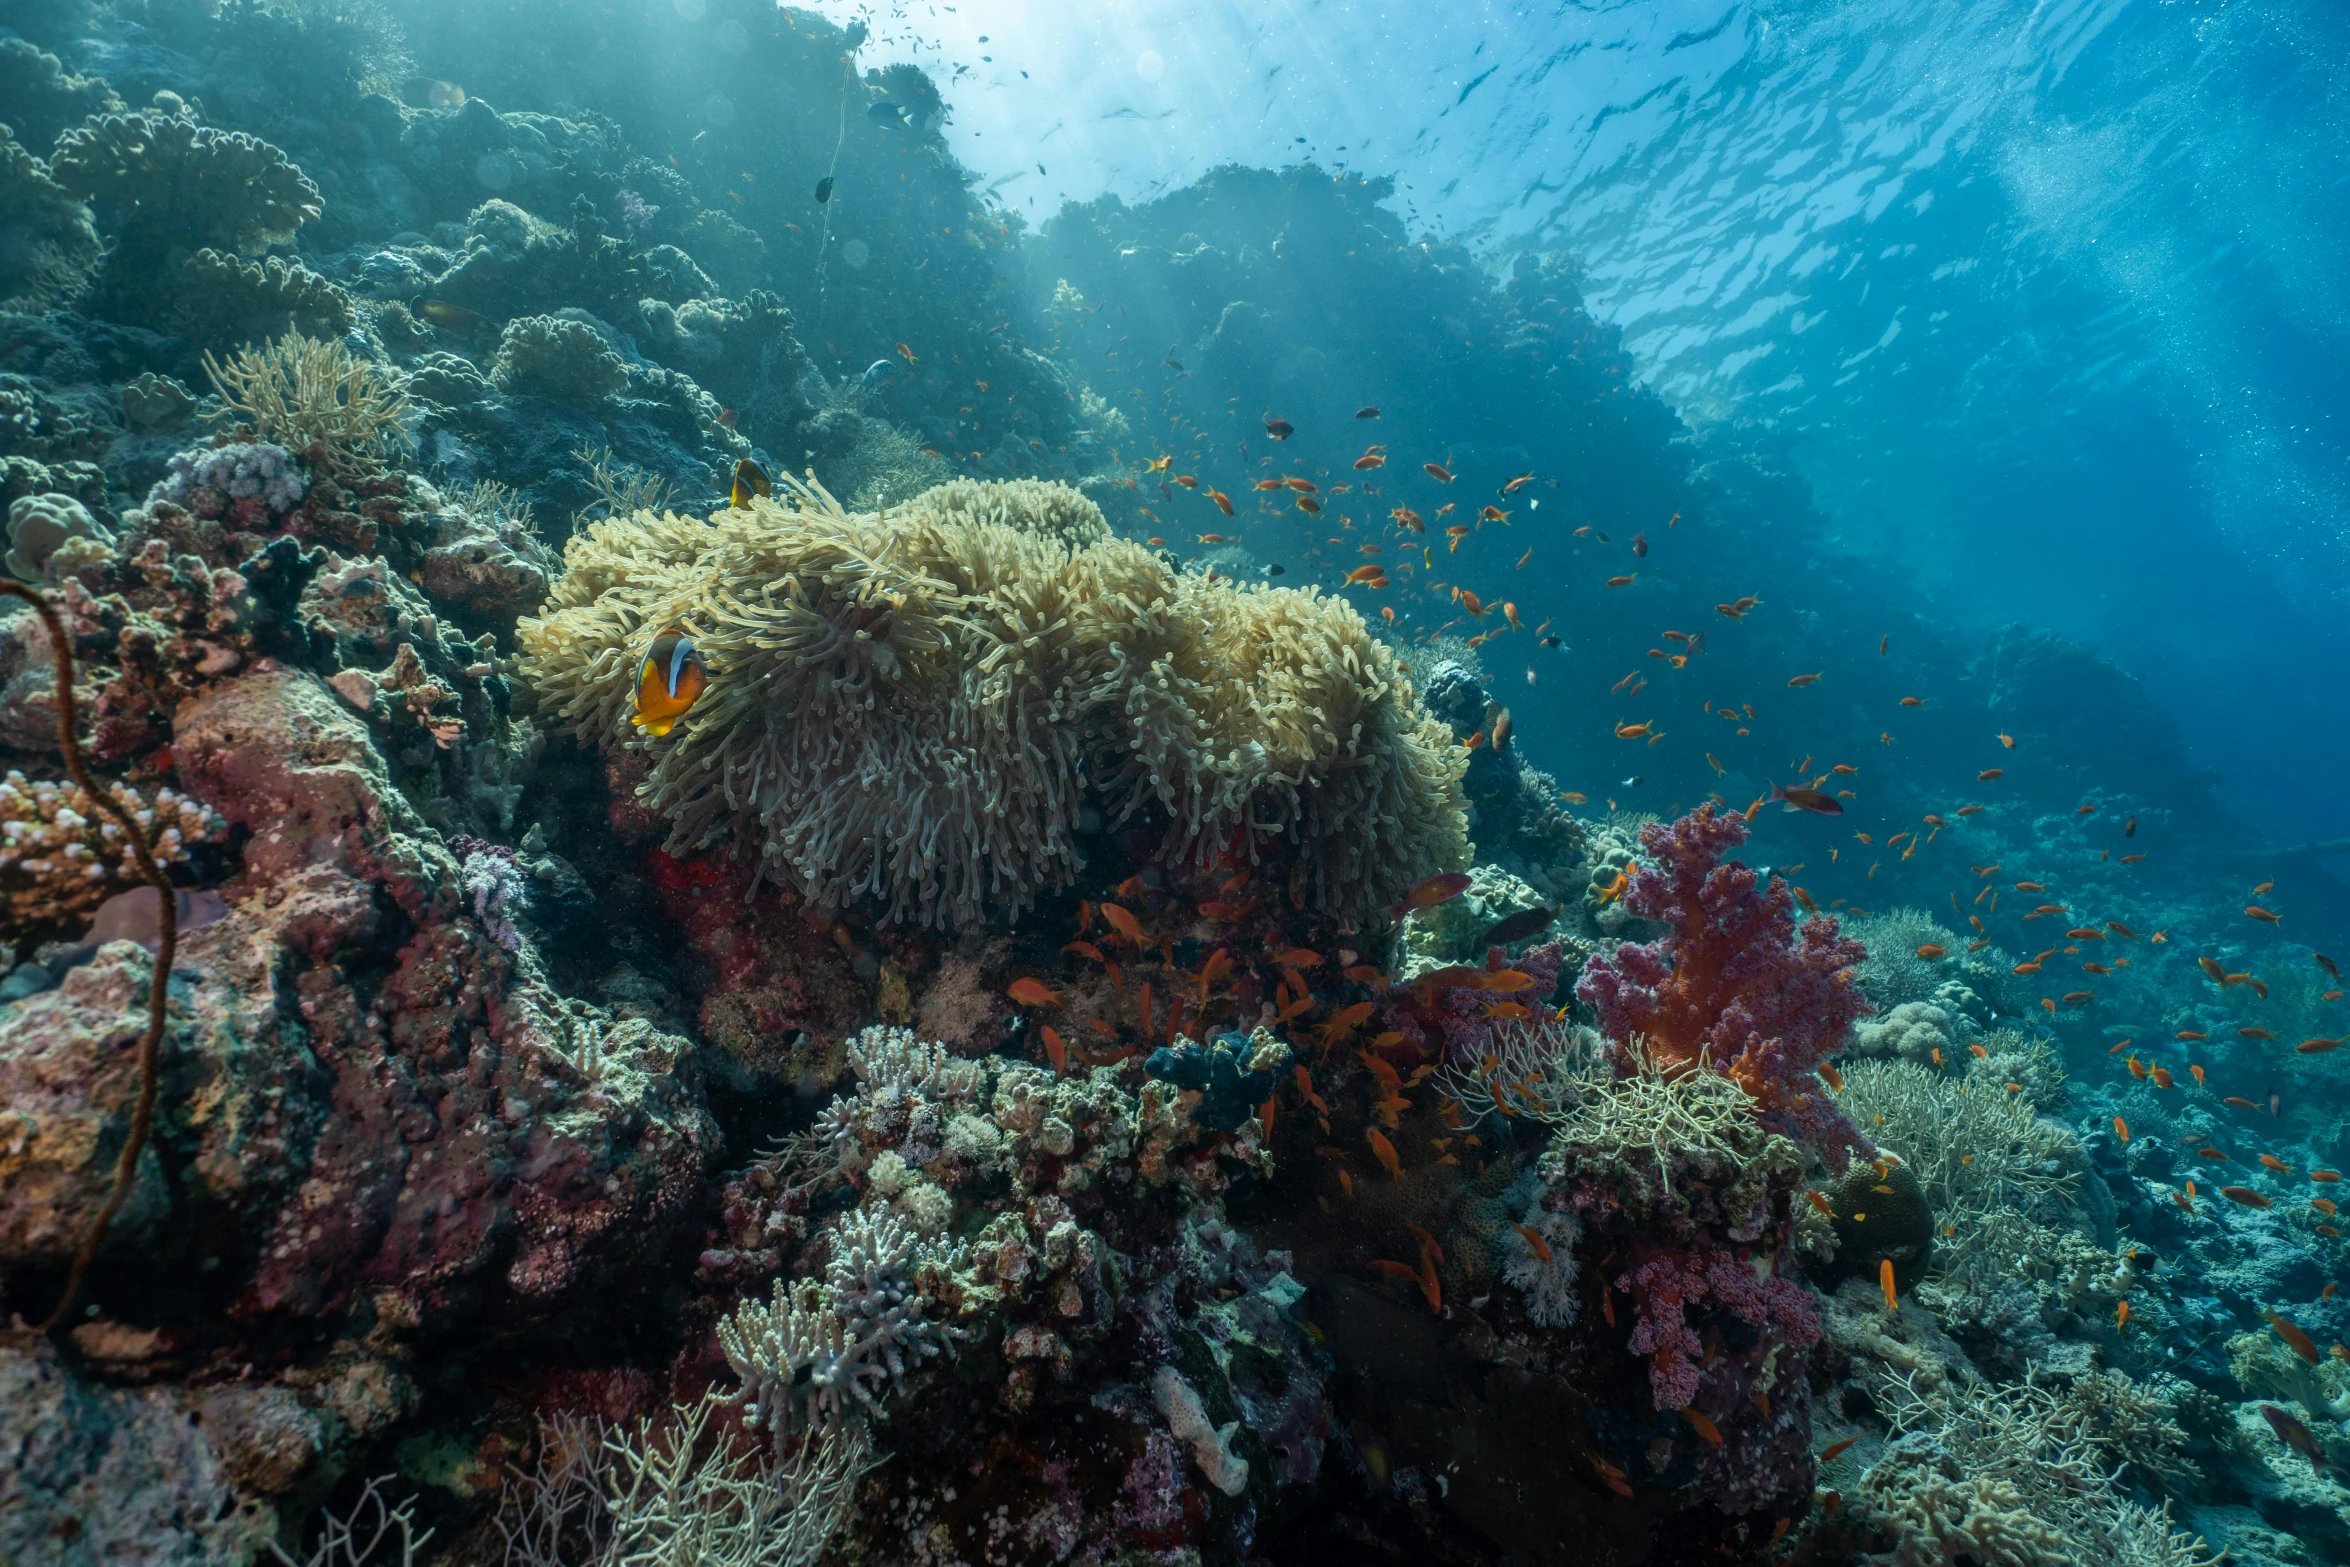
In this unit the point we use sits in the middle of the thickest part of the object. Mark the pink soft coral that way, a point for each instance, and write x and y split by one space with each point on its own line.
1670 1283
1734 983
1449 1013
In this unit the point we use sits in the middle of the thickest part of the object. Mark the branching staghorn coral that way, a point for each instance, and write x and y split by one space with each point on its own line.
675 1493
372 1533
1893 972
922 708
305 394
1977 1151
620 489
2010 1477
817 1352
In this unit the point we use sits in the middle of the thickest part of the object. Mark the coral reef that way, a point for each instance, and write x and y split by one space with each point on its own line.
1975 1150
59 857
38 528
225 301
553 356
167 186
2008 1476
52 248
918 666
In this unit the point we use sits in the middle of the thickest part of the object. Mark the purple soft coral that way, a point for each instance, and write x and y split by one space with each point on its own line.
1449 1013
1734 983
1667 1285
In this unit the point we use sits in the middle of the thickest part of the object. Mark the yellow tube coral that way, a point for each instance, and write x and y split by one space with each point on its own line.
919 705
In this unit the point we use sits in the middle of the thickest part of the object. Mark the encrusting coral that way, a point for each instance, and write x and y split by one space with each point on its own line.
558 358
225 300
194 184
928 708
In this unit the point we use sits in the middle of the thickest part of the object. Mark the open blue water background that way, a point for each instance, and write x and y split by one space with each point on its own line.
2049 301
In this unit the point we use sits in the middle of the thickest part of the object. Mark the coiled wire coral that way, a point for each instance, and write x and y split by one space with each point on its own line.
922 707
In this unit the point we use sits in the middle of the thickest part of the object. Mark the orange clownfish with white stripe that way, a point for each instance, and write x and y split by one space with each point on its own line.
671 679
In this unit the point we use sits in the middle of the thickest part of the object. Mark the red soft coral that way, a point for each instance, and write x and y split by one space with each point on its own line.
1734 983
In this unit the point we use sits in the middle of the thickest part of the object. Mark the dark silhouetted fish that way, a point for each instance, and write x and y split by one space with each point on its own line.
824 189
1518 927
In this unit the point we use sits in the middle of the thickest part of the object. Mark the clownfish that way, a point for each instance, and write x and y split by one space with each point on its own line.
749 479
670 681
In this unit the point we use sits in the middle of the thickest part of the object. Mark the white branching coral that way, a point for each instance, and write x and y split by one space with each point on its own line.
1980 1153
818 1352
60 857
886 1058
2007 1477
1529 1070
674 1493
1545 1274
924 705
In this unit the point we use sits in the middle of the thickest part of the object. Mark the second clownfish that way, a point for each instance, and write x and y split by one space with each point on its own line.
671 679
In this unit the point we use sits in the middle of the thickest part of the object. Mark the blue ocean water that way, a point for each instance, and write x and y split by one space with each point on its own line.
2047 301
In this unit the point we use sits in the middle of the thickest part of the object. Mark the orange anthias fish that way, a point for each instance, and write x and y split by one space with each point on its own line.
1703 1426
1372 576
2121 1128
2265 916
1222 500
669 681
1885 1283
2244 1195
1384 1152
1033 993
1437 471
2297 1341
1428 894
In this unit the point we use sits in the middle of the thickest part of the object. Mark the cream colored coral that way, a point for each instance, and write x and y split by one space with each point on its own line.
303 393
921 705
1979 1152
60 857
